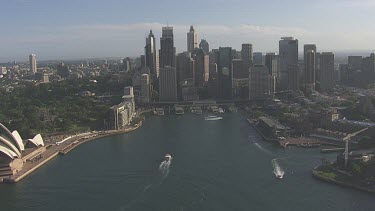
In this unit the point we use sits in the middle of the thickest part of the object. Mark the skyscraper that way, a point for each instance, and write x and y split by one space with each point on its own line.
354 63
258 58
192 39
127 64
260 82
247 57
32 60
201 61
368 69
167 53
150 55
145 88
309 57
272 63
184 66
288 54
225 74
167 84
309 73
327 68
205 46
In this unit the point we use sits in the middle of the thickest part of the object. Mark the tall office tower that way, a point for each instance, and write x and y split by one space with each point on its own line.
167 84
258 58
354 63
327 68
288 54
127 64
368 69
145 88
225 74
167 52
32 60
202 65
184 66
247 58
192 39
260 83
150 55
272 63
205 46
309 73
214 58
238 69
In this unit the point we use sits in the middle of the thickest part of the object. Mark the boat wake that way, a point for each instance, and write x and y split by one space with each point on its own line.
164 168
252 139
277 170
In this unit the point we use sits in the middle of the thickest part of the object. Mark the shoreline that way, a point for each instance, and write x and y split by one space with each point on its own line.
316 175
65 148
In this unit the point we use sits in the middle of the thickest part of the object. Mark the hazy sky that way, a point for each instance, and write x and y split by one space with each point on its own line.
68 29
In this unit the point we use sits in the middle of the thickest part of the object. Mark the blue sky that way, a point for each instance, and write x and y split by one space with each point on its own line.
70 29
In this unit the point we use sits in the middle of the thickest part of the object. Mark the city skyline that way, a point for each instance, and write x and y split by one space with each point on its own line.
88 30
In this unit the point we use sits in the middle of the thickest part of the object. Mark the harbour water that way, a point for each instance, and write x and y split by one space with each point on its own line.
216 165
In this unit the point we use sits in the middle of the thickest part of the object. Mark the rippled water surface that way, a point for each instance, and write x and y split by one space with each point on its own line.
216 165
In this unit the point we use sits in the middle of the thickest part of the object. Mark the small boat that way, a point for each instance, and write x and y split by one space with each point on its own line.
167 157
279 176
213 118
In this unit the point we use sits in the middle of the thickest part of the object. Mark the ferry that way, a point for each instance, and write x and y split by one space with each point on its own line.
213 118
167 157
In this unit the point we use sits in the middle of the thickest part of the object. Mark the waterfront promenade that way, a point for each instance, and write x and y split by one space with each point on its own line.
64 147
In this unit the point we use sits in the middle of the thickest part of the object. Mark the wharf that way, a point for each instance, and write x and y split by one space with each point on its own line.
251 122
332 150
303 142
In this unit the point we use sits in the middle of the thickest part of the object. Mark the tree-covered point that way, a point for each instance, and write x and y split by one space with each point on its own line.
60 106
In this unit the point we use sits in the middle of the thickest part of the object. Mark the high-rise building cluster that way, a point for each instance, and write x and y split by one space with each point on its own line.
224 73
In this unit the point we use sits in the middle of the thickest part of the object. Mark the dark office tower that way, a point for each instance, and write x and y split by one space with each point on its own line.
150 55
167 84
185 66
205 46
192 39
309 73
272 63
167 53
201 60
288 54
225 74
247 58
327 68
354 63
368 69
258 58
260 83
238 69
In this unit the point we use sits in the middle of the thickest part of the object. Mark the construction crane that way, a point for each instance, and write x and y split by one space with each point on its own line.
347 139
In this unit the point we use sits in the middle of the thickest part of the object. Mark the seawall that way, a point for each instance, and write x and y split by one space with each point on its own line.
340 183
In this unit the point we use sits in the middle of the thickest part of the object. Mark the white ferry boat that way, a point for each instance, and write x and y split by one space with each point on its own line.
213 118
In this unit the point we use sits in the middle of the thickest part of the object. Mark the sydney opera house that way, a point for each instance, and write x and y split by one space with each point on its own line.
15 152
